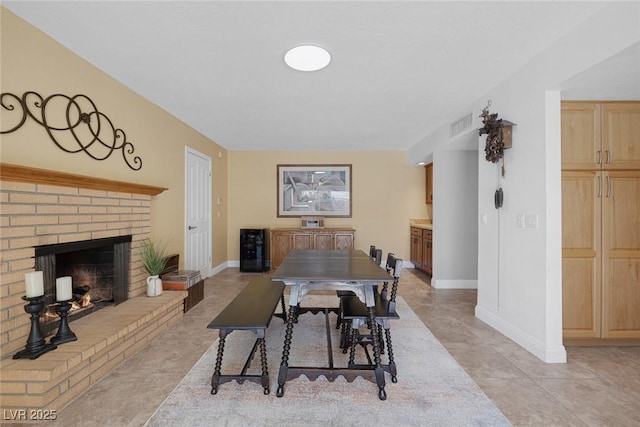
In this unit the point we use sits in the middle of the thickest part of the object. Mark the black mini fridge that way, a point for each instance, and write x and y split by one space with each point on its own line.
254 249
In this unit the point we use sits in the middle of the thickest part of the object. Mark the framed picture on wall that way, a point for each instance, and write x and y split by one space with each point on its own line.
308 190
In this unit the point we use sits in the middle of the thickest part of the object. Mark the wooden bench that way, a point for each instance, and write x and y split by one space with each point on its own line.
251 310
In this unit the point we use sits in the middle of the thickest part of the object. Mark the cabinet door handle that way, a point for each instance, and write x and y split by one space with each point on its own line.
608 156
599 186
192 227
608 186
599 161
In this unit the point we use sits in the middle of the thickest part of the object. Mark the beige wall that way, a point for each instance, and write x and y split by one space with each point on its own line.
386 194
32 61
386 191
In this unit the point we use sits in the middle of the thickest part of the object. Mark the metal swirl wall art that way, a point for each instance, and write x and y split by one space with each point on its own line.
73 123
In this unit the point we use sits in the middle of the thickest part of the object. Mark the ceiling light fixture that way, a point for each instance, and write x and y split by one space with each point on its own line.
307 58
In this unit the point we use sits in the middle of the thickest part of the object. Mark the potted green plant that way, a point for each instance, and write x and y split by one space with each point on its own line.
154 259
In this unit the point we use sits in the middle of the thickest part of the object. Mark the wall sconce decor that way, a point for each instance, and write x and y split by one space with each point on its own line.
73 123
499 134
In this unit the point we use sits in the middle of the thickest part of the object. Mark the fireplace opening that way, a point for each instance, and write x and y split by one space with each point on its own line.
99 271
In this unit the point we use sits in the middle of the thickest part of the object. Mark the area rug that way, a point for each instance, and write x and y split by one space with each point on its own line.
432 389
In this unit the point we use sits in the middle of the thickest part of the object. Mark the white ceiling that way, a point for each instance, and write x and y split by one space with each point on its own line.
399 69
615 78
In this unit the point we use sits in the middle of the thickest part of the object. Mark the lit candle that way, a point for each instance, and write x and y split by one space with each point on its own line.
34 284
63 288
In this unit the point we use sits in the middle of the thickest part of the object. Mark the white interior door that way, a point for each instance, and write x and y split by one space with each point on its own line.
198 239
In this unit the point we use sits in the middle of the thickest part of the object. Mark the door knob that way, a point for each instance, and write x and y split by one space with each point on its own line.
192 227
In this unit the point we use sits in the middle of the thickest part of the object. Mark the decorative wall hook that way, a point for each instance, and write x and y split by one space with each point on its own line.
74 124
499 134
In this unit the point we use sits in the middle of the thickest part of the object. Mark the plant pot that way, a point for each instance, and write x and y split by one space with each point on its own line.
154 286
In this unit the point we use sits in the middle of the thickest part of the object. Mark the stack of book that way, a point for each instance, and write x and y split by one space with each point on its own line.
180 280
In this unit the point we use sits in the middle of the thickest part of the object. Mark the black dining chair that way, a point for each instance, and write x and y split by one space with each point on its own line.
376 256
354 313
345 333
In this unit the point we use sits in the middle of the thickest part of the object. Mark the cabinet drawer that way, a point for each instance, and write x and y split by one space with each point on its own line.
426 233
416 231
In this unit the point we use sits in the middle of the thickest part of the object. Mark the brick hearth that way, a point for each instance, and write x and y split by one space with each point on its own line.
105 339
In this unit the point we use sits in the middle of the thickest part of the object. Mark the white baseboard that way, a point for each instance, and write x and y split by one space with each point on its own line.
212 271
447 283
556 354
218 268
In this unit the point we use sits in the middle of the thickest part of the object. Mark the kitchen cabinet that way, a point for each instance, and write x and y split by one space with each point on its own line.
600 135
600 232
415 253
421 249
428 173
427 252
581 135
283 240
581 254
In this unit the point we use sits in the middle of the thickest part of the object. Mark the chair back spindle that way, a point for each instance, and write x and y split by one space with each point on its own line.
397 270
389 266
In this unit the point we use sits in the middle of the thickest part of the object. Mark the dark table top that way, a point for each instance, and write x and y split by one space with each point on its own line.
313 253
333 265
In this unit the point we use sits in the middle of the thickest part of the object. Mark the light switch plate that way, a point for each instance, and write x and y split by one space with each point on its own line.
531 220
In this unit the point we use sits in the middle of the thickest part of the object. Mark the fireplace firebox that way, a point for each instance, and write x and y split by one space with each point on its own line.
99 269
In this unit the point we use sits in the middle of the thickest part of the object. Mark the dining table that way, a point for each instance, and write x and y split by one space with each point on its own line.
304 271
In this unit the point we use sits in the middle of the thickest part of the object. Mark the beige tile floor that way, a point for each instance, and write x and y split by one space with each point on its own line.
599 386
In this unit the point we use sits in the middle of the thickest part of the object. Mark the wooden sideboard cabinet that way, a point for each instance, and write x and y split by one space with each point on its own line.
282 240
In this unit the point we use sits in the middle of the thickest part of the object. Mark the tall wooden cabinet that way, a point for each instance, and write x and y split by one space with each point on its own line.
282 240
601 219
581 254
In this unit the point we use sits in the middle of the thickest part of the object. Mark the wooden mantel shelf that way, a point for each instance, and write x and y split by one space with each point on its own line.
17 173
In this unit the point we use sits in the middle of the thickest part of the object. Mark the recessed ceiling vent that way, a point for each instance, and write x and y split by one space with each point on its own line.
460 125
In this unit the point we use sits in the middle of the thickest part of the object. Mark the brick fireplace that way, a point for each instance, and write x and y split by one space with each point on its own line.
42 208
99 269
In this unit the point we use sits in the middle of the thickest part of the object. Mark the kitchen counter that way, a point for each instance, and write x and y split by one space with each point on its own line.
424 224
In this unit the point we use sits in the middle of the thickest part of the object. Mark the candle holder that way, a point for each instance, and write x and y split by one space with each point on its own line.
36 345
64 334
